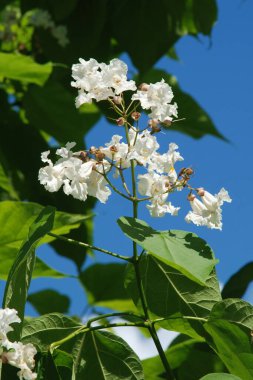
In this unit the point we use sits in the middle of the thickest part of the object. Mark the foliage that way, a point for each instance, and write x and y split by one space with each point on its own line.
172 284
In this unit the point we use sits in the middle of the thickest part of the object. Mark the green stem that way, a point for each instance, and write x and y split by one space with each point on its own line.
115 188
162 355
109 315
135 261
85 329
81 244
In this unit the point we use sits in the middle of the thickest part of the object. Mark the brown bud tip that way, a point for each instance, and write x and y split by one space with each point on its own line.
113 149
135 115
191 197
188 171
120 121
201 191
99 155
83 156
167 123
143 87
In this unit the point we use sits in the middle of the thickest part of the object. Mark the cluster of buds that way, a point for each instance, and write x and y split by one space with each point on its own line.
87 173
16 354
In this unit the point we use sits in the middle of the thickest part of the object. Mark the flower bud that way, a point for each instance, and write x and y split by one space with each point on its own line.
113 149
120 121
167 123
83 156
117 100
135 115
201 191
143 87
99 155
92 150
191 197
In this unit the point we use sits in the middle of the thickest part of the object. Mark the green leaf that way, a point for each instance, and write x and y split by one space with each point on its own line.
233 346
237 285
20 275
182 250
220 376
18 216
197 122
105 356
109 291
45 330
52 109
233 310
48 301
5 182
173 296
24 69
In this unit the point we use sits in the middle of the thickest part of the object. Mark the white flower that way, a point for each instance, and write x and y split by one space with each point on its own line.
21 356
208 212
100 81
164 163
115 75
7 317
156 186
117 151
157 97
143 146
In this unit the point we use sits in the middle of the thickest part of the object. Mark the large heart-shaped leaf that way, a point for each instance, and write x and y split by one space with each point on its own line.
182 250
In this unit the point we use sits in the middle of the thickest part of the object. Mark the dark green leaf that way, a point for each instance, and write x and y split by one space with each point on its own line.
20 275
49 301
109 291
182 250
49 328
171 295
105 356
24 69
52 109
237 285
233 346
197 122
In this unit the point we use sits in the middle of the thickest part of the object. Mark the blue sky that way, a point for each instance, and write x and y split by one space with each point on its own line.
220 78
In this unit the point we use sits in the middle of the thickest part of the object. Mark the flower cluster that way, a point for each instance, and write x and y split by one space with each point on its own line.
41 18
86 173
16 354
99 81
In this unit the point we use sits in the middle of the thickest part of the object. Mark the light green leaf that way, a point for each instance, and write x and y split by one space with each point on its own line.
20 275
49 328
233 346
41 269
23 68
105 356
109 291
15 219
233 310
48 301
173 296
182 250
220 376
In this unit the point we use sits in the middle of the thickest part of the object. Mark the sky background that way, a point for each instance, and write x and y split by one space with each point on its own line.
219 77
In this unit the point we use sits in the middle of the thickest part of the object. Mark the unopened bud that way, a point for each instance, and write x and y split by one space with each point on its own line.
83 156
201 191
120 121
99 155
167 123
189 171
92 150
113 149
191 197
143 87
117 99
135 115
